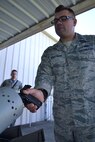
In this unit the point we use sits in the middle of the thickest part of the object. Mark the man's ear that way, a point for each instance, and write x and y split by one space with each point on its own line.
75 22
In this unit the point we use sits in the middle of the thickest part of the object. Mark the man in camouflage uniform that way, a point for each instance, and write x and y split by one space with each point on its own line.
13 82
69 66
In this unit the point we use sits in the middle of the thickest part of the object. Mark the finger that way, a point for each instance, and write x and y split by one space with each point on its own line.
32 107
28 91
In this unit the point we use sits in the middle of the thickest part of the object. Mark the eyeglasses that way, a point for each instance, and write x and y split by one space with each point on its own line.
61 19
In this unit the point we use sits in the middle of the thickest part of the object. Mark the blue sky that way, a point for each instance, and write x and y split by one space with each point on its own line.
85 24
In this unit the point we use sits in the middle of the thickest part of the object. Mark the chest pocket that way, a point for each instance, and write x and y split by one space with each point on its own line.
58 62
87 52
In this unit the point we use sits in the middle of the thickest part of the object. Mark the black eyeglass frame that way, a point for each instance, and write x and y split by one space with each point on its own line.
61 19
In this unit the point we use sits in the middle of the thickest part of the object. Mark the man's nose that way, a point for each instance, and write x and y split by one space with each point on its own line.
59 21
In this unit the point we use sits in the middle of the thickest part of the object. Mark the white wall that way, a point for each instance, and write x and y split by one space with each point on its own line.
25 57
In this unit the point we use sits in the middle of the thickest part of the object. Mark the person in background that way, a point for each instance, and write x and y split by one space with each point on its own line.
68 66
14 84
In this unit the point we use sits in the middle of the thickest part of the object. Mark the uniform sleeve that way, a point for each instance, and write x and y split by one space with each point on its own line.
3 84
20 86
44 78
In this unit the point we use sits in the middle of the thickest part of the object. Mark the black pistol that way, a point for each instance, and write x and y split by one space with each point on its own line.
27 99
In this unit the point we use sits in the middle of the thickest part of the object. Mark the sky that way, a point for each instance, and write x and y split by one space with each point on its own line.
85 24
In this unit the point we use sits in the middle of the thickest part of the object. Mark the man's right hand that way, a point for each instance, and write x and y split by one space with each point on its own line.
37 94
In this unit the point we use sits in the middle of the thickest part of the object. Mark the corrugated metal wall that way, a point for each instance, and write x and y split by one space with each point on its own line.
25 56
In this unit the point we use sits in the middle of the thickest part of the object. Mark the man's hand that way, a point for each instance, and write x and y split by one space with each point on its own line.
37 94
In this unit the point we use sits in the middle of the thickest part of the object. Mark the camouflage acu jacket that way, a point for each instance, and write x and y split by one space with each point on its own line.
72 73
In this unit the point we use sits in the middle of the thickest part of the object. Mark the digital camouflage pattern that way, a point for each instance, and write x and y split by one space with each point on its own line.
72 73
